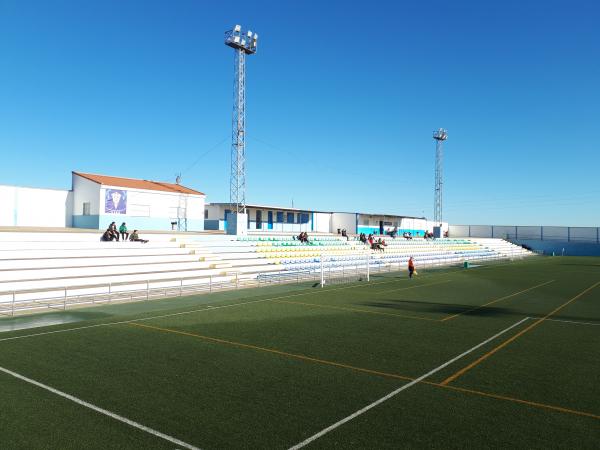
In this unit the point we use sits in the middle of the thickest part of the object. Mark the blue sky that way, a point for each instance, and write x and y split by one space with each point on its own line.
342 99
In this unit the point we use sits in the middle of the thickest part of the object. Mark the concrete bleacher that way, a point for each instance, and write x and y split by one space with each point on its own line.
41 269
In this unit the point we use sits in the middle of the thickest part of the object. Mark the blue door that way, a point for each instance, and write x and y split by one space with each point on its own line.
270 220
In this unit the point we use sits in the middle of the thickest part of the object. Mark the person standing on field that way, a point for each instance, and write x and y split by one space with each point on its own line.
411 267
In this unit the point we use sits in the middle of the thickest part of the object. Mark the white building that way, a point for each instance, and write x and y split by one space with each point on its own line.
97 200
276 218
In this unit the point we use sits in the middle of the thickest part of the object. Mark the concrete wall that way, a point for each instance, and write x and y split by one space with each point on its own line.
85 191
33 207
517 232
322 222
344 221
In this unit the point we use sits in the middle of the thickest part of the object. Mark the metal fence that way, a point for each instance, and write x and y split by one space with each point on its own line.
330 272
516 232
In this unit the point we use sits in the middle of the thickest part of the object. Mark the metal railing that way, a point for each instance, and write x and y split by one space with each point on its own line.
330 272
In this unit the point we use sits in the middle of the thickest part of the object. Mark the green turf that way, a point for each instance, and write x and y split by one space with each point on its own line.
270 367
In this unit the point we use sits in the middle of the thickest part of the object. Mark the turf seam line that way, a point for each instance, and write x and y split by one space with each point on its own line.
468 367
497 300
402 388
103 411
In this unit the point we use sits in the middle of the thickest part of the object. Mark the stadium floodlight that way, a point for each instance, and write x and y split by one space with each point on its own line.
239 40
244 43
440 136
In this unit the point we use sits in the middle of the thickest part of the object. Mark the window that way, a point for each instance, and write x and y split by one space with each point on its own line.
279 216
206 213
302 217
290 217
86 208
258 219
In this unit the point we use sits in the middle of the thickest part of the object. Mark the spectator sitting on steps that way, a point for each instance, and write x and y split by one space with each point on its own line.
135 237
123 231
107 236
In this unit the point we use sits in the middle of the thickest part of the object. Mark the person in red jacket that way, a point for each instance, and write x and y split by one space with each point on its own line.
411 267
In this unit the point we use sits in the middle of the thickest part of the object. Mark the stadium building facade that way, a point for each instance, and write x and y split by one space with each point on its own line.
284 219
95 201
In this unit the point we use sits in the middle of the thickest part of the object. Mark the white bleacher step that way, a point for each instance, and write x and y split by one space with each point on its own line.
6 288
39 274
220 265
91 261
91 252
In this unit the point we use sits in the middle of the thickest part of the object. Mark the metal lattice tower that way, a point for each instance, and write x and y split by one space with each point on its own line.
244 43
181 208
440 136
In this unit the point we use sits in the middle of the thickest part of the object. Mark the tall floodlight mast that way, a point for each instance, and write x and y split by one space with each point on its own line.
440 136
244 43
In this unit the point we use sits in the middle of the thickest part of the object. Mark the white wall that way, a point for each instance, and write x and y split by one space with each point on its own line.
343 220
215 212
322 222
85 190
158 204
32 207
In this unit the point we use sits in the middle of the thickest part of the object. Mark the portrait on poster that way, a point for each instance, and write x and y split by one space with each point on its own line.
115 201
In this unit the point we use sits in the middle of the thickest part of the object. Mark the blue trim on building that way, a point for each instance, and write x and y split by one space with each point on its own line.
86 222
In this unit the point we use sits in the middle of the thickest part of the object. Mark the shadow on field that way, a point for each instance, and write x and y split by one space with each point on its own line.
449 309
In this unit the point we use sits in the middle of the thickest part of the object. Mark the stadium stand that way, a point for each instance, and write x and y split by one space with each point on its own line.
47 270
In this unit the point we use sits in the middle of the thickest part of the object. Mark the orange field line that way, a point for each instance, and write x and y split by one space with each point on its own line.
360 310
271 350
498 300
518 400
516 336
372 372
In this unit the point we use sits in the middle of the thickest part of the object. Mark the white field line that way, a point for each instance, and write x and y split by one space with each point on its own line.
402 388
576 322
207 308
100 410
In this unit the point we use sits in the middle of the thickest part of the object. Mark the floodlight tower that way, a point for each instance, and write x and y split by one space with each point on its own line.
244 43
440 136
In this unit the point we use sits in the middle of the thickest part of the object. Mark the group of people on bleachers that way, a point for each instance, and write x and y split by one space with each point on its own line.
303 237
112 234
407 235
378 244
428 235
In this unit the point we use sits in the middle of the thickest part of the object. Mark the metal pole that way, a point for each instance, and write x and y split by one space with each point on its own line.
147 289
65 299
210 283
13 303
368 257
322 272
180 287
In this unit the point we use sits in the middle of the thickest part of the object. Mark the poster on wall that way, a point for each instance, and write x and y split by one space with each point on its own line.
115 201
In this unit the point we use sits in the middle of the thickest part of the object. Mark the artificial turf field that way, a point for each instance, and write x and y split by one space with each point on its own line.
276 367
